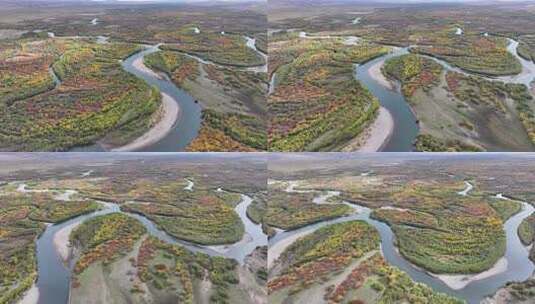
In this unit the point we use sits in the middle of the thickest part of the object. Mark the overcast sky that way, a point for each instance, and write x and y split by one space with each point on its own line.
383 1
178 1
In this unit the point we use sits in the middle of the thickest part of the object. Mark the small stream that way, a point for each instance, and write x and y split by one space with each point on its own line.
251 43
527 76
468 188
54 277
272 83
519 267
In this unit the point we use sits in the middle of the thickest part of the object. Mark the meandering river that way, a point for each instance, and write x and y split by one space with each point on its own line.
54 277
518 268
406 127
188 123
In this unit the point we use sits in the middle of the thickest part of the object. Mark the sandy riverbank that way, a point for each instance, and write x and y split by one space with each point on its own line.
31 296
276 250
375 136
139 65
61 241
377 75
169 116
457 282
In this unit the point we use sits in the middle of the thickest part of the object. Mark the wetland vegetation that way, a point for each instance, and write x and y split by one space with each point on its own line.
64 84
466 79
105 103
446 224
317 105
134 226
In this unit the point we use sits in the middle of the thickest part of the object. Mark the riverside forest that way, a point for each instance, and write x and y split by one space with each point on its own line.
401 75
401 228
127 76
139 228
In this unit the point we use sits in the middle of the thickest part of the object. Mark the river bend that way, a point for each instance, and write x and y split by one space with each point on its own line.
519 266
53 281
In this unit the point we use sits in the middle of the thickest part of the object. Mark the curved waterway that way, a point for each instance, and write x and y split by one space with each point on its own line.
54 277
187 126
527 76
251 43
405 122
406 127
519 266
188 123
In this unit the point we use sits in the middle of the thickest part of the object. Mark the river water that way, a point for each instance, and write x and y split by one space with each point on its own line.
519 267
405 126
189 121
54 277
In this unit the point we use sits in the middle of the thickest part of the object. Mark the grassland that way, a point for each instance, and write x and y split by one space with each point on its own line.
163 266
317 104
453 109
526 232
199 217
230 132
414 72
471 237
257 210
515 293
104 239
261 42
227 126
227 49
177 66
430 25
158 270
473 52
148 24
